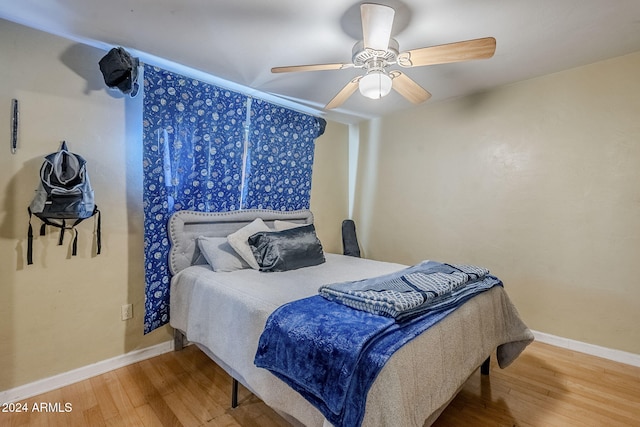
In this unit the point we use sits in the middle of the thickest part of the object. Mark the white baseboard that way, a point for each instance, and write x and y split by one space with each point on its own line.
80 374
591 349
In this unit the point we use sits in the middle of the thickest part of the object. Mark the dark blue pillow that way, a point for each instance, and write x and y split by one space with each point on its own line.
287 249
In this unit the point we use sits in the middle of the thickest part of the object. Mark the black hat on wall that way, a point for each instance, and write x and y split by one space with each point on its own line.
120 70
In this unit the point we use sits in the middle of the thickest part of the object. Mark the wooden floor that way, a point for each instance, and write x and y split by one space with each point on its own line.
545 386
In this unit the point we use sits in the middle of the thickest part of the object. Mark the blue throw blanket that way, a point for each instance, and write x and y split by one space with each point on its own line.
331 354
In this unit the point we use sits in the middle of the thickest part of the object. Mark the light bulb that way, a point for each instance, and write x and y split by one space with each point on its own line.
375 85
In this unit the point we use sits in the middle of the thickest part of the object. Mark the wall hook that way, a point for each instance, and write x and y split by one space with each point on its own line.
14 125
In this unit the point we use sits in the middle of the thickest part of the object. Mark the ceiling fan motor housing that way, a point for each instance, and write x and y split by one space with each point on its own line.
366 58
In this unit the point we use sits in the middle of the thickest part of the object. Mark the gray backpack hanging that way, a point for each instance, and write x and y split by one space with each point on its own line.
64 198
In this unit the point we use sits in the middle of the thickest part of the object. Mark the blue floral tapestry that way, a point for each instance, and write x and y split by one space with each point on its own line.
212 150
280 160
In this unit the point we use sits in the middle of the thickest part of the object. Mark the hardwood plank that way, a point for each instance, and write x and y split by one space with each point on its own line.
93 417
152 395
52 408
252 412
592 390
106 404
117 421
148 416
15 419
161 380
126 412
552 386
131 387
164 412
80 395
143 384
224 420
209 376
190 389
182 412
545 386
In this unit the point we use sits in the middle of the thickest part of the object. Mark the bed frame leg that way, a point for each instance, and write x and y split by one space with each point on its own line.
484 369
178 340
234 393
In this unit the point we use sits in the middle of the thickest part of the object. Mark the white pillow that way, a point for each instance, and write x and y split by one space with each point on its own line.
285 225
239 241
220 255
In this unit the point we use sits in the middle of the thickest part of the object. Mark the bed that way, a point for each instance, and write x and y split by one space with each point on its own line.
224 314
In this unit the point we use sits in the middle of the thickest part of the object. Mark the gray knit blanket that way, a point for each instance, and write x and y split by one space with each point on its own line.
410 292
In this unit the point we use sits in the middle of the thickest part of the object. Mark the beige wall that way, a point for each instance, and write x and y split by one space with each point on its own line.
329 185
63 313
539 181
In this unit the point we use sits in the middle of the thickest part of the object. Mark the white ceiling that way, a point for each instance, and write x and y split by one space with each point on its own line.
239 41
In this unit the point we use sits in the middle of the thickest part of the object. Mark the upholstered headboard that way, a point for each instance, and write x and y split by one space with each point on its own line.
186 226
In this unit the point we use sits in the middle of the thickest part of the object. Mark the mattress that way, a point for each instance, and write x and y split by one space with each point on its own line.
224 313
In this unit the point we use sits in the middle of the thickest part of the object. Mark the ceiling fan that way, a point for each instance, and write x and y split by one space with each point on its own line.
378 51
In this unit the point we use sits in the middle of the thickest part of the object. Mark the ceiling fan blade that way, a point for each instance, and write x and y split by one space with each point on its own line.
377 21
344 94
313 67
406 87
447 53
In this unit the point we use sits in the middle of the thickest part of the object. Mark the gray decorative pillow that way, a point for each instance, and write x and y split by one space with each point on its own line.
220 255
285 225
288 249
238 240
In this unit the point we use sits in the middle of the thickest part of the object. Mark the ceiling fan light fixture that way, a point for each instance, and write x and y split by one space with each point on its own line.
375 84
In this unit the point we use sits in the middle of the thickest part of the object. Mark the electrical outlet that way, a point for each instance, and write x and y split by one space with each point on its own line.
126 311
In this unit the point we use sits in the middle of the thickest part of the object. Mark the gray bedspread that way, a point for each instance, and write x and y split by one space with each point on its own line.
225 314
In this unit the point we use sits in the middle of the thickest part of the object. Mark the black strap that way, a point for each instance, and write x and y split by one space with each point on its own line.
61 239
74 245
63 227
98 233
30 241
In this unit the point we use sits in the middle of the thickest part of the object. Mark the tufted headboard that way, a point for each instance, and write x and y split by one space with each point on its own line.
186 226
